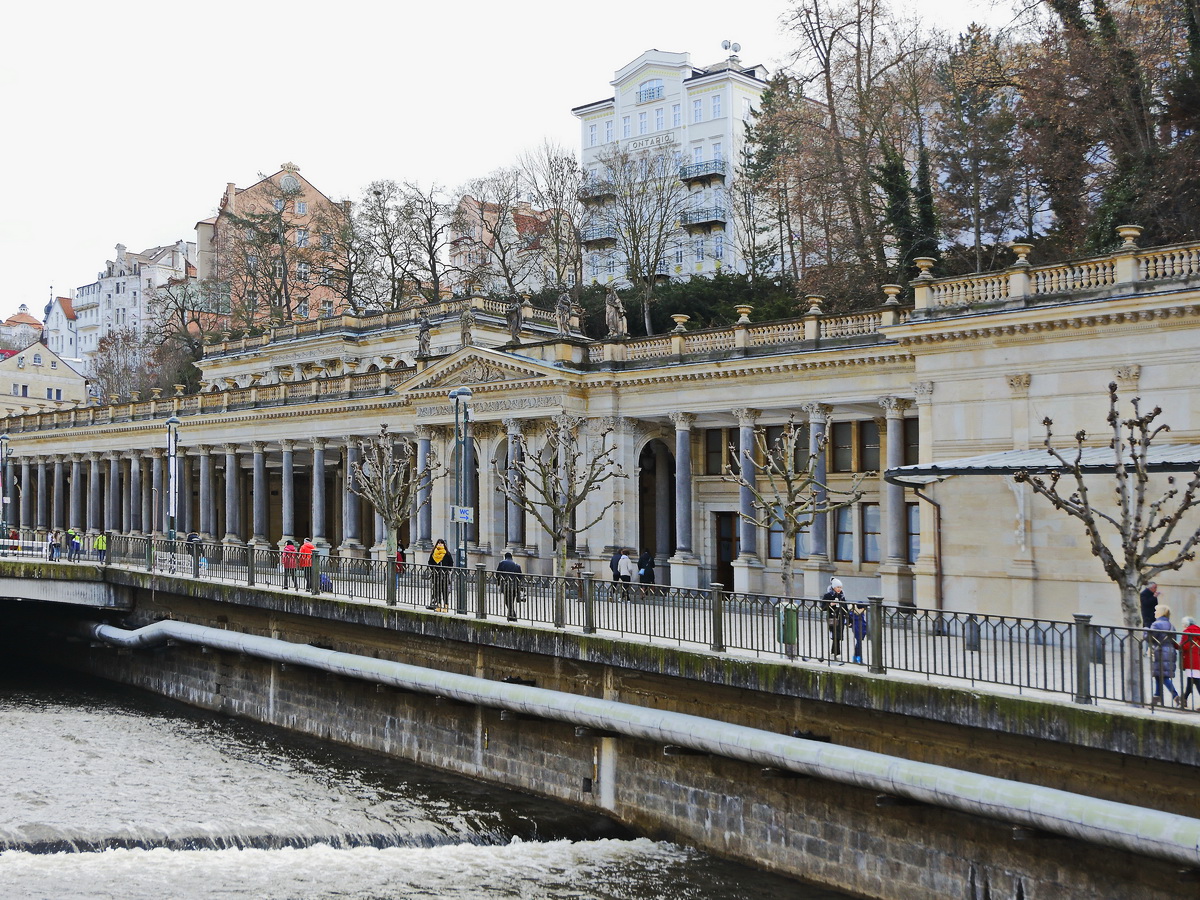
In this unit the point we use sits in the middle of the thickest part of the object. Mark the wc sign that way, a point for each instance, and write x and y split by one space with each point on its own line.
464 515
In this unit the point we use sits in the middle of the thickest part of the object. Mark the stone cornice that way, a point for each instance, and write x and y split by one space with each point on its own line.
707 371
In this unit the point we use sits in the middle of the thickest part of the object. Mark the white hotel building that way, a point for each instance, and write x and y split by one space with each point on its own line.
697 113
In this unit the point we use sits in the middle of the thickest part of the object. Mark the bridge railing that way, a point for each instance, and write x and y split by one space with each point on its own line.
1085 661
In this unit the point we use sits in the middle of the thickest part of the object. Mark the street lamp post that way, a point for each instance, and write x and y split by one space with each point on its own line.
172 424
7 488
461 397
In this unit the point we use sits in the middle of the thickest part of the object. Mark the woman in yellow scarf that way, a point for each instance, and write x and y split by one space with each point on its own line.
441 561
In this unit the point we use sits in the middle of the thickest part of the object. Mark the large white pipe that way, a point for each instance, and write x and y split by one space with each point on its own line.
1136 829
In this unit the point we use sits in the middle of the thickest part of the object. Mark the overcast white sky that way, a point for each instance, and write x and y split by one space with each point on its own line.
123 121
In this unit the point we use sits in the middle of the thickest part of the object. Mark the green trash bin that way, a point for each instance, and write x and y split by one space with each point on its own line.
789 628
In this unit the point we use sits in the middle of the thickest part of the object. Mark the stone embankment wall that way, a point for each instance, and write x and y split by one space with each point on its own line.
833 834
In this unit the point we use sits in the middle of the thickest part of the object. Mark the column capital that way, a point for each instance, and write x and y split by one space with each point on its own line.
818 413
231 448
923 391
258 446
746 417
683 420
319 443
288 446
513 426
895 406
423 432
1018 383
204 449
155 452
95 456
567 421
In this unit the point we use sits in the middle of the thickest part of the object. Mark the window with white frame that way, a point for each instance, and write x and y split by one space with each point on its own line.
698 249
679 254
747 109
870 532
303 270
658 119
592 136
697 155
301 208
912 514
717 152
302 309
278 206
301 237
775 542
719 246
643 125
624 126
843 540
651 89
608 131
716 105
676 116
697 110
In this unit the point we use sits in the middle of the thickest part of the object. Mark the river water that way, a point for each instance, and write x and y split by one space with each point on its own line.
114 793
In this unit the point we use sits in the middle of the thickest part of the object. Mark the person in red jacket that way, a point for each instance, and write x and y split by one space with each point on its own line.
305 557
291 559
1189 651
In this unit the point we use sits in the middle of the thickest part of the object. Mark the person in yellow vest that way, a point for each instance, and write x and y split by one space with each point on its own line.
441 561
100 545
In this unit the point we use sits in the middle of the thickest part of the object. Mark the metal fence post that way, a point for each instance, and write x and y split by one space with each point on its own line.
560 601
589 603
149 554
875 624
389 571
716 596
460 584
314 574
194 548
480 591
250 565
1083 658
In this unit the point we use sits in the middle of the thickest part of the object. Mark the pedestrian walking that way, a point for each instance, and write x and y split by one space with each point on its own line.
1149 600
290 557
399 564
55 543
1162 654
835 617
858 628
645 566
1189 651
441 561
304 562
625 570
510 584
73 545
100 545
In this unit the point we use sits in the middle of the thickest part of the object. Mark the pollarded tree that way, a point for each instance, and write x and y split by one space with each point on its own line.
390 478
553 481
643 213
552 176
787 492
1138 537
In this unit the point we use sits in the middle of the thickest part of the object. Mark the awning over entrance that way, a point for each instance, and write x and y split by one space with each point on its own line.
1167 458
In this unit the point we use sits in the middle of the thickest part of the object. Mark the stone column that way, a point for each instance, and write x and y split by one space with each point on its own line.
112 518
27 490
158 494
424 491
927 583
135 493
470 484
127 494
515 537
93 509
208 525
318 493
261 496
287 493
184 523
895 580
685 570
351 502
817 563
11 513
147 497
59 500
662 502
233 525
43 495
747 530
75 494
379 550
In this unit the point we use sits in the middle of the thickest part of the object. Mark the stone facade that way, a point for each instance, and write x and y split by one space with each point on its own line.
972 367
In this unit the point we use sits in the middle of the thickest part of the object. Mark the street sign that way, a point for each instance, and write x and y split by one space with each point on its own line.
463 514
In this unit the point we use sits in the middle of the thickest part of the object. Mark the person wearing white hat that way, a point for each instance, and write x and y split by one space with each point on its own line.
835 616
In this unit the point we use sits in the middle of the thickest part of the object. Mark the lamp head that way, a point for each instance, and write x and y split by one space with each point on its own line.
173 422
462 393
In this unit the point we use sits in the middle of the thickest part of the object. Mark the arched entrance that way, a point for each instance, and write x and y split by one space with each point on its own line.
656 504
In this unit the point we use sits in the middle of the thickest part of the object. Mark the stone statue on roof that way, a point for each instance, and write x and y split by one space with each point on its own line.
424 335
515 315
562 312
614 314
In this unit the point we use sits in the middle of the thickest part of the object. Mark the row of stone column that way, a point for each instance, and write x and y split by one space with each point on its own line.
818 415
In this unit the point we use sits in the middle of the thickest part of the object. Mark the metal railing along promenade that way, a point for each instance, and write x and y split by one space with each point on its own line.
1079 659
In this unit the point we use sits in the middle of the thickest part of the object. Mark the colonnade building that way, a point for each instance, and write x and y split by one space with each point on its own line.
971 367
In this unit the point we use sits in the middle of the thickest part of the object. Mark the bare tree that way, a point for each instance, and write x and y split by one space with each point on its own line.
498 231
552 482
1137 540
124 362
781 476
552 176
389 478
643 213
427 219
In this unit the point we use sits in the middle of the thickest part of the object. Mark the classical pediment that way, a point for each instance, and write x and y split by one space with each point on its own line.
475 367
